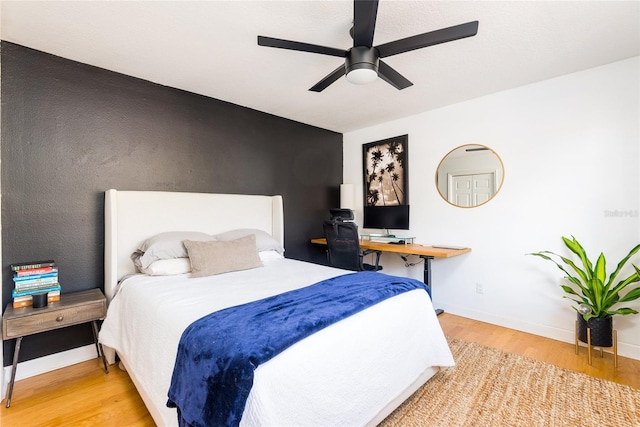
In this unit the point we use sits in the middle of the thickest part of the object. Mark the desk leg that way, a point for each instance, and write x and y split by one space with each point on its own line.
427 278
16 353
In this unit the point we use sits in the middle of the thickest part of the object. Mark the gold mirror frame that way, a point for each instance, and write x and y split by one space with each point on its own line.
470 175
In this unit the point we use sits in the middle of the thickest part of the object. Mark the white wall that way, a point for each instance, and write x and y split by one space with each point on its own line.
570 148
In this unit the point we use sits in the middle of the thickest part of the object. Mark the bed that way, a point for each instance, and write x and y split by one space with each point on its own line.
353 372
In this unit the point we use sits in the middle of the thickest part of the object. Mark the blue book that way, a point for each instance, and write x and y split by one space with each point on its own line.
17 278
38 283
15 293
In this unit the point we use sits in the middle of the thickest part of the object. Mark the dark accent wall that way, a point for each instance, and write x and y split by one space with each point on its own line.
70 131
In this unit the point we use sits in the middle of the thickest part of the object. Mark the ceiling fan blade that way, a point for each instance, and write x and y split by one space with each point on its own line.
428 39
324 83
391 76
364 22
303 47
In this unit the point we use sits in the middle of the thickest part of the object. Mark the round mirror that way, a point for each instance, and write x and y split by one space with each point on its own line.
469 175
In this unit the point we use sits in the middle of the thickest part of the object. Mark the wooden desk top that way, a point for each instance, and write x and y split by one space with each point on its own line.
409 249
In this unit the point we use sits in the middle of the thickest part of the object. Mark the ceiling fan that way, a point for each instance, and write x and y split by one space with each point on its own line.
362 61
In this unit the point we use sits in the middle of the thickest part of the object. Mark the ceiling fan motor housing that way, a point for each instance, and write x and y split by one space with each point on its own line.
362 57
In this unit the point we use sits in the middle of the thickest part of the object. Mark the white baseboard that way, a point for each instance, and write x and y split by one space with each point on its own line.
49 363
624 349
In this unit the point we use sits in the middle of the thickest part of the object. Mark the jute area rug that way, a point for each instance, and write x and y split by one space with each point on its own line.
488 387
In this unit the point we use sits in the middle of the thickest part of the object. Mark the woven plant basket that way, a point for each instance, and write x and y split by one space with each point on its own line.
601 330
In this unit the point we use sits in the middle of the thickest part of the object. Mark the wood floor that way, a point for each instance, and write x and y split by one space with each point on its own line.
82 395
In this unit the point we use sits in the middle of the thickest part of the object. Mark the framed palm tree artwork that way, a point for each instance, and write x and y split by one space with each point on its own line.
385 172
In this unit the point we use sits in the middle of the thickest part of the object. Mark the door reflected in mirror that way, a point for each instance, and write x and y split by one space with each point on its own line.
470 175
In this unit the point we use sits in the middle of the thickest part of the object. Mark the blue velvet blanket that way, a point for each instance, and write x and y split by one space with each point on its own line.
218 353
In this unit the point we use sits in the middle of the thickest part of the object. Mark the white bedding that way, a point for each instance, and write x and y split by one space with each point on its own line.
148 314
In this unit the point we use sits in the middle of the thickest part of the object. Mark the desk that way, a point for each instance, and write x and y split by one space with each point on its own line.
427 253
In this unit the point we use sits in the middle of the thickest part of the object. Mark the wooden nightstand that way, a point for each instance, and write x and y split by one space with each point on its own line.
72 309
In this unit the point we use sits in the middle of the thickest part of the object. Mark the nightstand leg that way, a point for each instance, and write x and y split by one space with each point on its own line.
99 349
16 353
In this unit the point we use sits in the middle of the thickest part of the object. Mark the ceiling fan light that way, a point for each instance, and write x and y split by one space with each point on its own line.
361 65
362 76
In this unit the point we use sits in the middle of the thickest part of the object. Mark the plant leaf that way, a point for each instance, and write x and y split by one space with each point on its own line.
581 284
569 290
577 301
631 295
621 264
635 277
623 311
575 247
597 287
600 270
611 300
543 254
584 275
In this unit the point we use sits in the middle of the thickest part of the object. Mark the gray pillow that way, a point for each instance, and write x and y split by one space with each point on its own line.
166 245
216 257
264 240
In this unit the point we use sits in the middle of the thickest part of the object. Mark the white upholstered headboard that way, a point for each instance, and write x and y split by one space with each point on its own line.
133 216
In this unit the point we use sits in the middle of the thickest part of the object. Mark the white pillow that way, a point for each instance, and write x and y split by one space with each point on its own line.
168 267
268 256
264 240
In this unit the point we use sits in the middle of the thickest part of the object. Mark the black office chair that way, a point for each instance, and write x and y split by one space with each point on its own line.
344 247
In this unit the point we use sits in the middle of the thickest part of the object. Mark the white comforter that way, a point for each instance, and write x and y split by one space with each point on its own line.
343 375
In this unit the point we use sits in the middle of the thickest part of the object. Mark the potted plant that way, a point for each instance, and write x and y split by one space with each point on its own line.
594 293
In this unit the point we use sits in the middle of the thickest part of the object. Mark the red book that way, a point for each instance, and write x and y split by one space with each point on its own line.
30 271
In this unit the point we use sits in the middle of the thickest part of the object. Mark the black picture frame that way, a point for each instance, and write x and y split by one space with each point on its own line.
386 172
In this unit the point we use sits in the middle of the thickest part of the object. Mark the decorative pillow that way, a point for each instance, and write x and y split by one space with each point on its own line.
165 246
216 257
264 240
168 267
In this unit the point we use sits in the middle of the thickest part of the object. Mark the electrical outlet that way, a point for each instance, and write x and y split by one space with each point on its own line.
479 288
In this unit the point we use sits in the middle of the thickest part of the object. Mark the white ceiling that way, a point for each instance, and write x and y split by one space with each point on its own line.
210 48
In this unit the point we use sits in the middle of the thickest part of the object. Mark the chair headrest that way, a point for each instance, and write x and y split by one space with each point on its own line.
339 214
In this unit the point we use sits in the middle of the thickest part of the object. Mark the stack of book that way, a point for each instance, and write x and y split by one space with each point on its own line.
34 278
